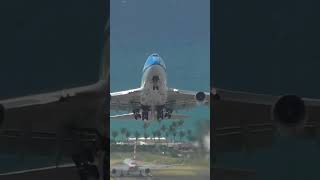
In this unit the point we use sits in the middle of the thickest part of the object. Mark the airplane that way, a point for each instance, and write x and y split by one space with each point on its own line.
132 167
65 122
153 100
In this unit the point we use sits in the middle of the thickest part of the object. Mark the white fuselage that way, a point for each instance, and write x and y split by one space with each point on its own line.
132 164
154 88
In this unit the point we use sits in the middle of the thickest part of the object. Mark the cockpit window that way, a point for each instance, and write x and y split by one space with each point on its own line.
154 59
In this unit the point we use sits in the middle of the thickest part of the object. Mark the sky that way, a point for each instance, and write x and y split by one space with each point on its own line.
178 30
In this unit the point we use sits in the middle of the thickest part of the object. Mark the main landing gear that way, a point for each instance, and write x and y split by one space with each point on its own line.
144 113
163 113
136 114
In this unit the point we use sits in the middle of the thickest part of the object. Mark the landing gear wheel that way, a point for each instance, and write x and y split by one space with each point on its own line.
168 113
145 115
136 114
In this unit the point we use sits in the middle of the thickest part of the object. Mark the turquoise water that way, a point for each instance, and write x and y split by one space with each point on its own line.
142 27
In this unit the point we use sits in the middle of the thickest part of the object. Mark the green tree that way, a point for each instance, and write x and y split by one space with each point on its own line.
181 134
154 134
128 134
137 135
163 128
145 135
167 136
174 134
145 126
174 124
123 132
172 130
189 132
114 135
180 122
158 133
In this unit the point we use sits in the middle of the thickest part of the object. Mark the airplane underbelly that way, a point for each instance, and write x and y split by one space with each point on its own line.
153 97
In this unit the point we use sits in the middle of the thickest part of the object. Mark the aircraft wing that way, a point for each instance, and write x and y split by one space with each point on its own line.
183 99
49 118
125 100
246 121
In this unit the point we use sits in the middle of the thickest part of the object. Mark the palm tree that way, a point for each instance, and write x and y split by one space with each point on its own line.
145 135
180 122
128 134
174 134
174 124
167 135
145 126
137 135
189 132
158 132
114 135
163 128
181 134
154 134
123 131
172 129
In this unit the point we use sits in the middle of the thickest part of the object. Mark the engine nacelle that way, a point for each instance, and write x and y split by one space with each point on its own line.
289 112
147 171
1 114
200 97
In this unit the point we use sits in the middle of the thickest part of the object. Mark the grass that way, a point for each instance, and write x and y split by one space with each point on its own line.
183 167
185 170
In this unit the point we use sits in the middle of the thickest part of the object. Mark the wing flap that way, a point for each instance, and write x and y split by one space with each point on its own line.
184 99
125 100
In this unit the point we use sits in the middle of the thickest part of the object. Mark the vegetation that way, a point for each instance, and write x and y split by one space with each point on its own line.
114 135
170 132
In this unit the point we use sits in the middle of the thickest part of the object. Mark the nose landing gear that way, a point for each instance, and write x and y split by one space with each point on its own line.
168 113
145 112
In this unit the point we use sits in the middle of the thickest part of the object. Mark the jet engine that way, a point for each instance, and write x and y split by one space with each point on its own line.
289 112
200 97
1 114
147 171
